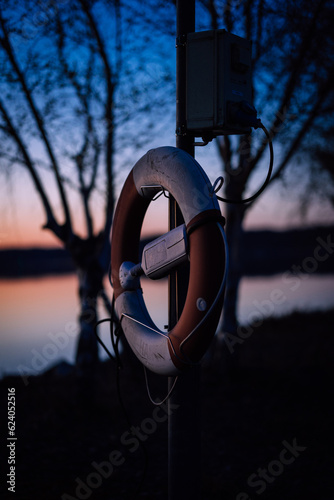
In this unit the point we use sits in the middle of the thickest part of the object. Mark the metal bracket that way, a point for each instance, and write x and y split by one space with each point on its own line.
203 143
181 130
205 140
151 191
154 192
181 41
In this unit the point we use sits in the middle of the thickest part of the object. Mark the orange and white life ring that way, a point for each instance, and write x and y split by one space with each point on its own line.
176 172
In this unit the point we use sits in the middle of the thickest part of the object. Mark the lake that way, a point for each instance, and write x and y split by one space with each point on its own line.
38 316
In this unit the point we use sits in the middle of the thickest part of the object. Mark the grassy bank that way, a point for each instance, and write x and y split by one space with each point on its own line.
277 397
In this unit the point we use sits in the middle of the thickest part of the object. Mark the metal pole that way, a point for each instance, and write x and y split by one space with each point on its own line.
184 419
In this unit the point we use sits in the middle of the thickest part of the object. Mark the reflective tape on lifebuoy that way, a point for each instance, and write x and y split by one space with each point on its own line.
178 173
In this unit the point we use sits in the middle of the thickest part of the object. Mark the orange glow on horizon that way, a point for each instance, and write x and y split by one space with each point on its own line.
27 233
25 230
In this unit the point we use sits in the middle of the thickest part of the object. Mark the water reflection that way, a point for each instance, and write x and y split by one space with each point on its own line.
38 316
275 295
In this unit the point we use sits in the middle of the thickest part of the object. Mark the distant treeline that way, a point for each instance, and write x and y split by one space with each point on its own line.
262 253
21 262
303 250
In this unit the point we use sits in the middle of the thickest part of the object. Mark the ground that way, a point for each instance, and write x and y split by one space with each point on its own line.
266 424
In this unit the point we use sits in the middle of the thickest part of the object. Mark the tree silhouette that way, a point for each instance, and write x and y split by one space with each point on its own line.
67 86
293 70
73 73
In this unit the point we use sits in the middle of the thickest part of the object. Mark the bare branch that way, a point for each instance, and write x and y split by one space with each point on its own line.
295 144
68 73
95 164
224 149
306 126
248 18
83 97
227 16
118 36
5 42
109 122
213 13
293 80
259 27
12 131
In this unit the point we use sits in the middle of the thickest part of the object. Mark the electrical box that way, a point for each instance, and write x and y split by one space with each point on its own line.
219 78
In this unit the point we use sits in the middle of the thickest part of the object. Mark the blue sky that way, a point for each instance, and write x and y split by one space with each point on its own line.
153 58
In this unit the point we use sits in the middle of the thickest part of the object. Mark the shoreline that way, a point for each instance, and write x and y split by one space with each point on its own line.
278 398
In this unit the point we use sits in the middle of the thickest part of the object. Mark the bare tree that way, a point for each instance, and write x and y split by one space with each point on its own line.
67 89
65 92
293 71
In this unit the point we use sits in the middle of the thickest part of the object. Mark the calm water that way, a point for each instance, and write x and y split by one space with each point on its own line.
38 316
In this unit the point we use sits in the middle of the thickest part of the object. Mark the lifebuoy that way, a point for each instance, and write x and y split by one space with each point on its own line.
178 173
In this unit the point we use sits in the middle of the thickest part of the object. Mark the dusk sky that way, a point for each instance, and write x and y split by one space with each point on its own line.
21 215
227 391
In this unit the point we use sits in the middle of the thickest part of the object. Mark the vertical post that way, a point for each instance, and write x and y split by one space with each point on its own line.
185 23
184 420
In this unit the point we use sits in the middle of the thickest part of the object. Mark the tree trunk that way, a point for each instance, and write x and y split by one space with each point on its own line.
235 212
86 254
224 352
87 359
90 284
234 233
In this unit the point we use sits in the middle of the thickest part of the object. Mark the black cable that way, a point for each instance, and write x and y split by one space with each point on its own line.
127 418
112 333
204 220
266 182
116 359
101 341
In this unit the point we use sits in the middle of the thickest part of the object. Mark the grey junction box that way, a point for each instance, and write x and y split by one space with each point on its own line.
219 77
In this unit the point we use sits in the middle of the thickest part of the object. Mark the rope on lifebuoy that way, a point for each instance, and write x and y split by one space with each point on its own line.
171 170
